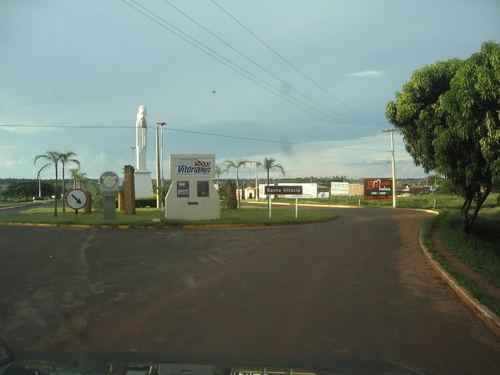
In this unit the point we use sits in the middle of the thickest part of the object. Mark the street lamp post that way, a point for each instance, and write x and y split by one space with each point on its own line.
132 148
39 184
159 162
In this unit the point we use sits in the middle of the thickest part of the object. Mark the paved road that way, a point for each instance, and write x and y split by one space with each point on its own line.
4 211
316 295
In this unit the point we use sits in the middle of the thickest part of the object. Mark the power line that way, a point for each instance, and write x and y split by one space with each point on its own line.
230 64
239 69
334 114
63 125
169 128
293 66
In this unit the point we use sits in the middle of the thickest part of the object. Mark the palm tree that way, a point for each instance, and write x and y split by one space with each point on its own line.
237 164
66 158
270 165
218 171
258 164
52 158
77 177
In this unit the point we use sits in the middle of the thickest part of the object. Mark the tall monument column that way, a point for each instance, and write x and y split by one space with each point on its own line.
143 183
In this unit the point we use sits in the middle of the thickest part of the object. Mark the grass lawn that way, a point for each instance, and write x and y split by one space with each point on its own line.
281 215
46 215
414 201
480 250
145 216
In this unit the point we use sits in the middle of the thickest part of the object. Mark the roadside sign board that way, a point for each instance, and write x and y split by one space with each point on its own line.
286 190
309 190
377 188
192 166
283 190
109 182
339 188
76 199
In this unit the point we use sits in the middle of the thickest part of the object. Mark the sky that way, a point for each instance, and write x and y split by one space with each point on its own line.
314 85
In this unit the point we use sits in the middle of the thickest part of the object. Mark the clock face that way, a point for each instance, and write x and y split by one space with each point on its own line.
109 181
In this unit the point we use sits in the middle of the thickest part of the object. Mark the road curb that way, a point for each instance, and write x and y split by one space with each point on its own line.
159 227
434 212
225 226
488 317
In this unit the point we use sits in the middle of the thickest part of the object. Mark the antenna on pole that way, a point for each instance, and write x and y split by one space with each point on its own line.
393 166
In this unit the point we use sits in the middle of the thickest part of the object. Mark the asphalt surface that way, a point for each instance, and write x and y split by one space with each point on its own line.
339 293
4 211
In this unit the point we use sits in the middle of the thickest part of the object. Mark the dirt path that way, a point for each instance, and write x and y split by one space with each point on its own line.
463 268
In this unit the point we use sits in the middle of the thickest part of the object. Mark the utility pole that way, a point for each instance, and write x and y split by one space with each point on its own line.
161 156
256 181
159 162
393 166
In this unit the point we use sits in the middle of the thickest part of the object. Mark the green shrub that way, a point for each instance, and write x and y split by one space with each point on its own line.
145 202
228 195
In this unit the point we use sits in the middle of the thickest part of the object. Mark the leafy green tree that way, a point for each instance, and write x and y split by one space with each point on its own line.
66 158
448 114
237 164
227 193
77 177
51 158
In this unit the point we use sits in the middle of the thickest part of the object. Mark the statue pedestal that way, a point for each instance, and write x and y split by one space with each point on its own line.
143 184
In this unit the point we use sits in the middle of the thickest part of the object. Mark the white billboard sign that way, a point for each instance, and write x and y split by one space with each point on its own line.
339 188
186 165
192 194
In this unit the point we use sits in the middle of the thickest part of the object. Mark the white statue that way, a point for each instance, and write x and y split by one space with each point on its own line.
141 138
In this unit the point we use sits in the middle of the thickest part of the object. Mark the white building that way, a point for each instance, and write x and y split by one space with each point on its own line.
247 193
